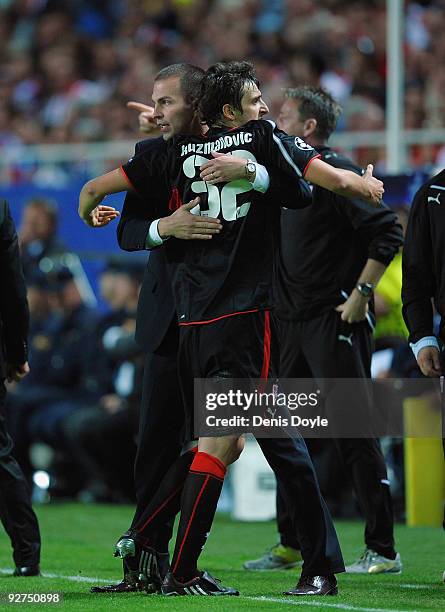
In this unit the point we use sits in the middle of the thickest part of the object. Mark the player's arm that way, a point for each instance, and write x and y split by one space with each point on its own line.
224 168
95 190
346 183
281 188
294 156
418 287
138 175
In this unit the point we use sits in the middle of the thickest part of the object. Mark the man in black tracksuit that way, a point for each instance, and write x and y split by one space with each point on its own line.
16 512
424 273
424 278
331 258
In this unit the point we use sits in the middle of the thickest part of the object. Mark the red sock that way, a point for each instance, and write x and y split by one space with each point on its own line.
198 505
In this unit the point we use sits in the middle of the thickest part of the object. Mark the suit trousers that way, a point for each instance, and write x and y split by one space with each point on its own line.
161 430
16 513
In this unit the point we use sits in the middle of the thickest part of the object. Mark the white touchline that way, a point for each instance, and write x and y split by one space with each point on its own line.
278 600
80 578
415 586
323 604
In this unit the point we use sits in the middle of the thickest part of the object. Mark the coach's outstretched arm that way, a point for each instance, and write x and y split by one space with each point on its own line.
345 182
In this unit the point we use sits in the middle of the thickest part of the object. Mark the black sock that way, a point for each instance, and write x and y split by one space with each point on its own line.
198 505
165 504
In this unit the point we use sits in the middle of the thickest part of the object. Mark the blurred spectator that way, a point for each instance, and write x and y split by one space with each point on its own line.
68 66
38 234
101 436
67 367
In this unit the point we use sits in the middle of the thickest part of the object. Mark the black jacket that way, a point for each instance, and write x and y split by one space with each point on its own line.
424 260
324 247
156 327
14 314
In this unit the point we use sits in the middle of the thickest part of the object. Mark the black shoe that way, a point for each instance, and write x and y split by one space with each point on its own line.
142 563
315 585
27 570
128 585
204 584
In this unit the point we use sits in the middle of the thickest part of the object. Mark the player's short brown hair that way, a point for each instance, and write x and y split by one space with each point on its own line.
316 103
224 83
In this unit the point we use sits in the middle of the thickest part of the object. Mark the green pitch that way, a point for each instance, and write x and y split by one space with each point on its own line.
77 547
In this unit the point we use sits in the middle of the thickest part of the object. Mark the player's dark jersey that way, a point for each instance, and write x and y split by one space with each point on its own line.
233 272
324 248
424 260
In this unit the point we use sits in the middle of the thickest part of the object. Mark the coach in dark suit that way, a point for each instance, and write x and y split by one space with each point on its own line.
16 513
162 415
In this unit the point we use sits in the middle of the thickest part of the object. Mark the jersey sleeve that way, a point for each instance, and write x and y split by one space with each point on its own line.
288 153
146 173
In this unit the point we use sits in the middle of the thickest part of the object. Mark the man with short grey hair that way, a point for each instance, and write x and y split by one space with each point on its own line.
332 255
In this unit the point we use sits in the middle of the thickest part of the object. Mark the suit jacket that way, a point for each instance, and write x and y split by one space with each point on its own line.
14 313
156 326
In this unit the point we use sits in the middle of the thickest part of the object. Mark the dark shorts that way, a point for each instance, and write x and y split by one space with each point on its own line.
243 346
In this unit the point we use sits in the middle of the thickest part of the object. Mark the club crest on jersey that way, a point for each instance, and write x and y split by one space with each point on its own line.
304 146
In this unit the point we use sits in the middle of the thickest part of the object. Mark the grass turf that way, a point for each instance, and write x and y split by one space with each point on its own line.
78 540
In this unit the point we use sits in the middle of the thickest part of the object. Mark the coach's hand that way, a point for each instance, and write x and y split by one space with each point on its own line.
14 373
428 361
102 215
354 309
184 225
223 169
376 190
147 124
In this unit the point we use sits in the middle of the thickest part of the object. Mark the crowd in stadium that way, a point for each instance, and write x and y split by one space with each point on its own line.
68 68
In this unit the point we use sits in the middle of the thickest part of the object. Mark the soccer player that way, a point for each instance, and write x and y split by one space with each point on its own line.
331 257
160 440
223 300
